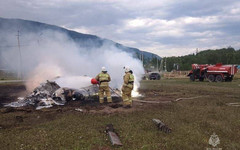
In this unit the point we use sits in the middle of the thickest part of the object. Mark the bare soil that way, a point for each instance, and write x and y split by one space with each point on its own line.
10 92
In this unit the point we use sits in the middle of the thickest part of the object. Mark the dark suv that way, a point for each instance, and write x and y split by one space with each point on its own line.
154 76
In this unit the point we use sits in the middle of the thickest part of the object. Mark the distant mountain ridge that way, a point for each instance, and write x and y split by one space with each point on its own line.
84 40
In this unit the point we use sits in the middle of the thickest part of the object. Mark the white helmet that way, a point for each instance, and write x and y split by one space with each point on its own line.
127 69
104 69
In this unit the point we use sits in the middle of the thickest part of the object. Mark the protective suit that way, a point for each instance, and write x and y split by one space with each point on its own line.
127 88
103 78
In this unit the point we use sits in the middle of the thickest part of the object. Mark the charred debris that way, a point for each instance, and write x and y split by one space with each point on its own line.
49 93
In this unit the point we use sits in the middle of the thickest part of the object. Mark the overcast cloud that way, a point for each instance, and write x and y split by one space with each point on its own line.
166 27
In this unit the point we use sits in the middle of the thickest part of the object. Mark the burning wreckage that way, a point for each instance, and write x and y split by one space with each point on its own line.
50 93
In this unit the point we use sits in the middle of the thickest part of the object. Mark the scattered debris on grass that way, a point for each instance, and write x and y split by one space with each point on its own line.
113 135
161 126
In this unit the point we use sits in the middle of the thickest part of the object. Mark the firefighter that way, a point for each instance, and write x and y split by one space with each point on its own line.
127 88
103 78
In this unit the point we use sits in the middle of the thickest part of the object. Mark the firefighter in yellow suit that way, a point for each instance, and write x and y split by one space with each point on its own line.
127 88
103 78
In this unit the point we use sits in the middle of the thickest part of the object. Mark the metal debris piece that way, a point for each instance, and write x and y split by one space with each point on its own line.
237 104
112 135
161 126
79 109
114 138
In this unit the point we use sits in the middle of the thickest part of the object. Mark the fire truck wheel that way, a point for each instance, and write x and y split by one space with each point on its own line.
211 78
219 78
201 79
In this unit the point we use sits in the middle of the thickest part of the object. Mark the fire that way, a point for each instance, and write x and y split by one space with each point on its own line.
135 92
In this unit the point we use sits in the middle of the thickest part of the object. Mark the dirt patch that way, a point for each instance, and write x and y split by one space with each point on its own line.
10 92
110 110
155 95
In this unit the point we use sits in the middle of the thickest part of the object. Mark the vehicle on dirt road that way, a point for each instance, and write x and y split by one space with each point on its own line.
154 76
212 73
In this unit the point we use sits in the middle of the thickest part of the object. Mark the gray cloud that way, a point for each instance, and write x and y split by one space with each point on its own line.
196 8
163 27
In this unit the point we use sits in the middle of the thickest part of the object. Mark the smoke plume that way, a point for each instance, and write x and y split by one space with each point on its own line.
50 54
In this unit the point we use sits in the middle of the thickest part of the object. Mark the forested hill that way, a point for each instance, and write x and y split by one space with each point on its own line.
9 28
224 56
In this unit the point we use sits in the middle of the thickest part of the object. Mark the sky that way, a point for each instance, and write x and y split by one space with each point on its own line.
163 27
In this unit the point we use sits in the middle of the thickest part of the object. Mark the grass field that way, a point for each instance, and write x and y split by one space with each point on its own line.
193 121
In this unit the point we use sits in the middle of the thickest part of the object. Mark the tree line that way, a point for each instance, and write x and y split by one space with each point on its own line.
225 56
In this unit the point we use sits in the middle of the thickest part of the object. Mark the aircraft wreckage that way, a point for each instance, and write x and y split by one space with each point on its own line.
50 93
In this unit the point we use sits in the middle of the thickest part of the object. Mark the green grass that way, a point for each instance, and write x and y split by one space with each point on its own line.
7 76
192 122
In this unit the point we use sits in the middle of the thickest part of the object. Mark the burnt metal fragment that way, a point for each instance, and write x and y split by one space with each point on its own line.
113 135
161 126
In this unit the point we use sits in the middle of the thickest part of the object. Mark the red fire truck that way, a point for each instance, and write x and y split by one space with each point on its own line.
213 73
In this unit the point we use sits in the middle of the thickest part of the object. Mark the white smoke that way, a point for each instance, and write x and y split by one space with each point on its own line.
53 54
42 73
74 81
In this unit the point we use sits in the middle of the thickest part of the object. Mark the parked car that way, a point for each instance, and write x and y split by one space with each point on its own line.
154 76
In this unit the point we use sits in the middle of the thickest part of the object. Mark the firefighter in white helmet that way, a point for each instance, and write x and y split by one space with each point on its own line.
103 78
127 88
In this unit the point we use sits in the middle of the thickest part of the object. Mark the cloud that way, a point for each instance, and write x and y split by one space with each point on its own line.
163 27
